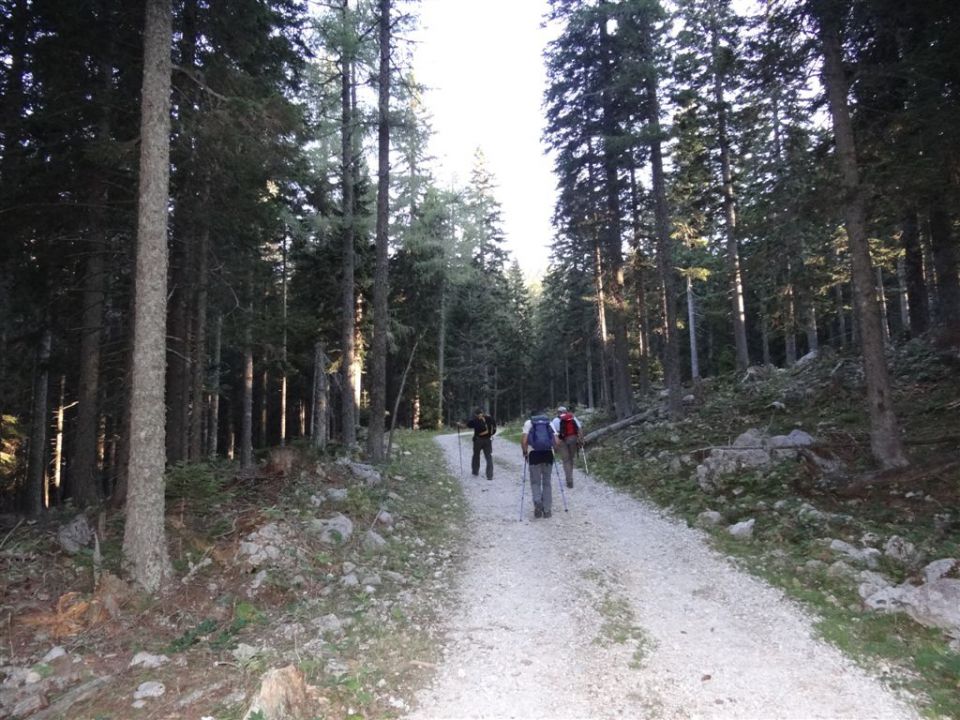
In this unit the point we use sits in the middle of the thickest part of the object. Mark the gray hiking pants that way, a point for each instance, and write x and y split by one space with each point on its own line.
540 485
568 453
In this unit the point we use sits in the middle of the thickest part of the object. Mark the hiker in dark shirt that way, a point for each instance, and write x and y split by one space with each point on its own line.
484 428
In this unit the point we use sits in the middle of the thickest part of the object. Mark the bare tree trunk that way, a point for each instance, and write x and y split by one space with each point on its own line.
841 314
943 247
177 369
903 300
144 541
441 356
729 203
789 324
917 301
643 316
321 399
262 427
283 350
348 403
692 328
199 351
882 302
671 349
765 337
84 468
396 402
246 420
56 480
885 440
37 461
214 431
381 320
415 410
612 243
606 393
813 338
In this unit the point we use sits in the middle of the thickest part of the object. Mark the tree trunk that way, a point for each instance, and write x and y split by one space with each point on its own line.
144 542
381 320
671 349
37 461
246 419
882 302
84 469
214 431
606 393
177 366
729 205
321 399
348 405
943 246
396 403
56 480
813 338
765 338
199 348
885 440
789 326
640 282
283 348
692 328
917 303
623 393
841 314
441 356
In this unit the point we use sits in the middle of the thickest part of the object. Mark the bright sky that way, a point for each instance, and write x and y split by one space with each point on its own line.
481 61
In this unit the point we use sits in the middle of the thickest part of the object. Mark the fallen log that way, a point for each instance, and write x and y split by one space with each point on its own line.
619 425
912 473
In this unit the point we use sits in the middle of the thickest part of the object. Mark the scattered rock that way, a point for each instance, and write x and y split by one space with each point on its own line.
149 689
742 530
902 551
373 542
334 530
146 660
709 518
284 695
75 535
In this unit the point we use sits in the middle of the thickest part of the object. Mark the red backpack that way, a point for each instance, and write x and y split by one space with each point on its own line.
568 426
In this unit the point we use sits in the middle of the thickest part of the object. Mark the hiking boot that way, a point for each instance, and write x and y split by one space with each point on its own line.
546 513
570 483
537 511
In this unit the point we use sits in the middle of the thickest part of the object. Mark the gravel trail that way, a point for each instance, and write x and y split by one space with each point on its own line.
613 610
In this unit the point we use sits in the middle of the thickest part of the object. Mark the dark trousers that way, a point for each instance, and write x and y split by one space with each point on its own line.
484 444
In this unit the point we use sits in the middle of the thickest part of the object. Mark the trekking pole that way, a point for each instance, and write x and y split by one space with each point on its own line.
560 483
583 452
460 451
523 487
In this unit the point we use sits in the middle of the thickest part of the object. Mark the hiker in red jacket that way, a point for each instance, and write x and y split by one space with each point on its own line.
566 427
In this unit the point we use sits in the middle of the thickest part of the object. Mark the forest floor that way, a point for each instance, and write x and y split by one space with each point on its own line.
617 608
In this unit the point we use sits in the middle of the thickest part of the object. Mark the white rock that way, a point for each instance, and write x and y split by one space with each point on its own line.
53 654
742 529
938 568
145 659
149 689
